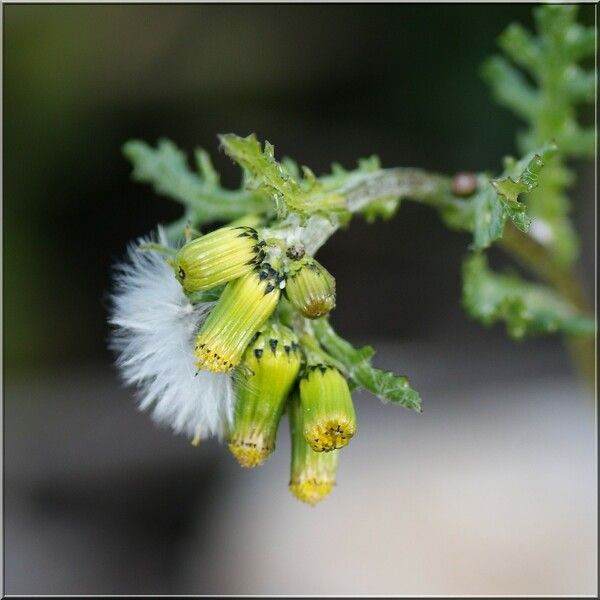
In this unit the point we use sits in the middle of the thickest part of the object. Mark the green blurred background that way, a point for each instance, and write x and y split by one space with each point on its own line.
100 501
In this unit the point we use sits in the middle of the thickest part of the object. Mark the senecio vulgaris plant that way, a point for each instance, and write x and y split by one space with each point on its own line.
226 330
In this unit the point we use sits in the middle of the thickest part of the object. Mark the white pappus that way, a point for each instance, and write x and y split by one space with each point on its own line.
153 330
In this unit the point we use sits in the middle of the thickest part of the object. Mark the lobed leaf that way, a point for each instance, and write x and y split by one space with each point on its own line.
510 187
488 219
497 199
526 308
304 196
548 98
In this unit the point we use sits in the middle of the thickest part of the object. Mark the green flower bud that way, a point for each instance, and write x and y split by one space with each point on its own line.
329 417
240 312
218 257
312 473
266 374
310 288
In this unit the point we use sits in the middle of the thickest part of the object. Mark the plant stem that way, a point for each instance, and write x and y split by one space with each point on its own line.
538 260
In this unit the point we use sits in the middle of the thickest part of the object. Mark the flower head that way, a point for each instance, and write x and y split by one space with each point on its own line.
154 326
265 376
310 288
218 257
329 417
313 474
242 309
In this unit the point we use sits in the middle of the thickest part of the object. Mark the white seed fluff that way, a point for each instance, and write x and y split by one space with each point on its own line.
154 327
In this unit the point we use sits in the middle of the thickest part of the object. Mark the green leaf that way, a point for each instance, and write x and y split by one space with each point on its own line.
304 197
489 217
206 168
510 88
357 361
384 209
497 199
522 47
548 99
526 308
509 189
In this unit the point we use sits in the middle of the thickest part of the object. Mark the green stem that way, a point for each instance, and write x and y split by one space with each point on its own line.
539 261
314 352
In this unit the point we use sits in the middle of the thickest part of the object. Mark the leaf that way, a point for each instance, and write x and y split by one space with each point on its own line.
489 217
304 197
261 164
206 168
548 99
527 309
384 384
383 209
522 47
551 57
510 88
498 199
509 189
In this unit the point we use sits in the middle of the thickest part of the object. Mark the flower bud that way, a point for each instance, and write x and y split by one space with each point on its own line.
329 417
267 372
312 473
218 257
310 288
242 309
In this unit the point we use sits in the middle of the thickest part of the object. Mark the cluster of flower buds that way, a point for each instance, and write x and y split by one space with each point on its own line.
273 371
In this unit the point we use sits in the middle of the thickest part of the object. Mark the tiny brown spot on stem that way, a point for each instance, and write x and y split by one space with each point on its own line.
464 184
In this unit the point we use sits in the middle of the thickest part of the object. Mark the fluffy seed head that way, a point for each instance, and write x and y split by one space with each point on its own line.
153 330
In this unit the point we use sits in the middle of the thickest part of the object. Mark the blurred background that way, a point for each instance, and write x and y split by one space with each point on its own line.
491 491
